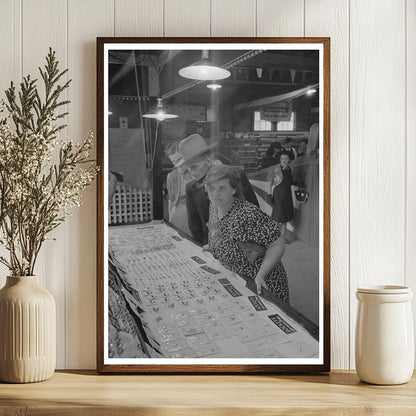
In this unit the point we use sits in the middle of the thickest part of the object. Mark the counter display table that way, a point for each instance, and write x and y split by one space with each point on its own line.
168 299
86 393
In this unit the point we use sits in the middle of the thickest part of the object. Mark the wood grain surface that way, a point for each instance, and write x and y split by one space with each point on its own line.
331 18
410 259
85 18
180 21
280 18
233 18
53 257
138 18
85 393
377 136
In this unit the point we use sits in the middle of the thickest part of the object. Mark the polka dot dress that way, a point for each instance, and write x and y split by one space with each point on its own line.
244 222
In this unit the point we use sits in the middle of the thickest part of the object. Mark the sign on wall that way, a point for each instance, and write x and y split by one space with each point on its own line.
280 111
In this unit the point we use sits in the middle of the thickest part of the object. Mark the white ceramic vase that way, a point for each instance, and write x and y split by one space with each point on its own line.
27 331
384 341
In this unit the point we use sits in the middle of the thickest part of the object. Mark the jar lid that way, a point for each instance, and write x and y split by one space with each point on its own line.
384 289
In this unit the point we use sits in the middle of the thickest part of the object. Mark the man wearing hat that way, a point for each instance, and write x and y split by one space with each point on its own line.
197 159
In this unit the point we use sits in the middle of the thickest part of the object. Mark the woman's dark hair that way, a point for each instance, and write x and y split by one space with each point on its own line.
270 150
285 154
235 183
225 172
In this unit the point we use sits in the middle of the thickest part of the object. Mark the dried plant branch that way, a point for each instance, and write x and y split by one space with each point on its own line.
37 193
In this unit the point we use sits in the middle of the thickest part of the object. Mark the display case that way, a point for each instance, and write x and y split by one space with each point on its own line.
179 302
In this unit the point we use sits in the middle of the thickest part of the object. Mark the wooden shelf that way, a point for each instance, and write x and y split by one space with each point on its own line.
86 393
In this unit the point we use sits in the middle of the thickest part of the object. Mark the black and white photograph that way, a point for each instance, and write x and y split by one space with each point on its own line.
213 253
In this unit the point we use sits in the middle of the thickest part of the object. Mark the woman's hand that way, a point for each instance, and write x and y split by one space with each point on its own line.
272 256
260 282
205 248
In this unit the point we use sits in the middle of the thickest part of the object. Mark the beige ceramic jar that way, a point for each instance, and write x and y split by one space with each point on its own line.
384 342
27 331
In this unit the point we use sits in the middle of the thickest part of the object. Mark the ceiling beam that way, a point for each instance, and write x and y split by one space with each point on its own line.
272 100
284 61
270 83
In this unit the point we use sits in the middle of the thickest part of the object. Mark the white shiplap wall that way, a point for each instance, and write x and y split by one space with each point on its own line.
373 128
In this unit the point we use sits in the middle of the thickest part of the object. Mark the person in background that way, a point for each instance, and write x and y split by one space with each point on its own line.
281 181
288 149
176 181
197 159
269 159
234 157
243 238
302 147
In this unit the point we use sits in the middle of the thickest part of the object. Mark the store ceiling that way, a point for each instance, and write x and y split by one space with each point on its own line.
266 74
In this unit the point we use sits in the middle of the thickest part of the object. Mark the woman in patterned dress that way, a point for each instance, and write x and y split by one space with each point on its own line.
243 238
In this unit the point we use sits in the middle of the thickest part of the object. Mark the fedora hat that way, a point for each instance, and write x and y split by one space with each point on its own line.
193 146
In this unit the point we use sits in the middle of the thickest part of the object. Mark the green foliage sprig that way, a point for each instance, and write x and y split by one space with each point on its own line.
41 175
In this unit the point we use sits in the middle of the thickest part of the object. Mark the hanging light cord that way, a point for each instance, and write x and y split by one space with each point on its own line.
158 71
156 137
146 144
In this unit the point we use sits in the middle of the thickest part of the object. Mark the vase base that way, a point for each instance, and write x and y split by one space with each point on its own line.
26 371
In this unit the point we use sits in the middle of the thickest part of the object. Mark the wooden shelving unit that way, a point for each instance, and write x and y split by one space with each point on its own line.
252 146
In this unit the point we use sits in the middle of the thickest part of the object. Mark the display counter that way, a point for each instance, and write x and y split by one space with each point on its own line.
169 299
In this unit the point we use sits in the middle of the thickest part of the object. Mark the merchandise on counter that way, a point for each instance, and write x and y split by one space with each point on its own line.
189 306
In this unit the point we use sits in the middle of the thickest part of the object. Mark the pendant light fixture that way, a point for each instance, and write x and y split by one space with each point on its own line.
159 113
204 70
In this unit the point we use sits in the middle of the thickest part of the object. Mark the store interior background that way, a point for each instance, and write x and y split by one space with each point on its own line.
227 116
373 151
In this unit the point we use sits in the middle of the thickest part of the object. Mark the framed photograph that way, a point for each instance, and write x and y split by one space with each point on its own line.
213 205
